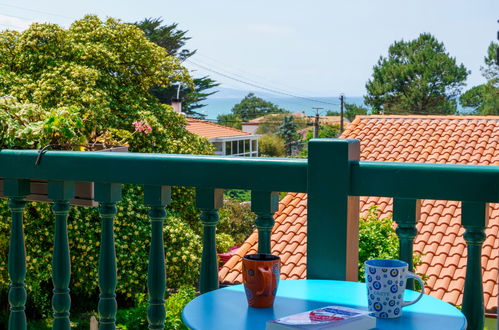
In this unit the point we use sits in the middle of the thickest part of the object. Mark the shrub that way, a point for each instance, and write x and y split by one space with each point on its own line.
271 146
236 220
174 306
136 318
378 240
224 242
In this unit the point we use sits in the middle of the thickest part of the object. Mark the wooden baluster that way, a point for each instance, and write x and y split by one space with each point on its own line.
17 190
156 198
406 212
333 215
474 218
61 192
209 201
264 204
107 194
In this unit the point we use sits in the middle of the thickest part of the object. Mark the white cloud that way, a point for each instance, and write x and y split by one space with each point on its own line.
13 23
274 29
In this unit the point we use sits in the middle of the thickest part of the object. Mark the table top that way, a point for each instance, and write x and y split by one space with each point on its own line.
227 308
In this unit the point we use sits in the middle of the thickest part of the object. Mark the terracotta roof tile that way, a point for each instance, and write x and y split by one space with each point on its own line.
211 130
440 242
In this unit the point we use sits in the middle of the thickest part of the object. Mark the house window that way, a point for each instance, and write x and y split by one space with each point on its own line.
247 146
241 147
234 148
228 149
218 147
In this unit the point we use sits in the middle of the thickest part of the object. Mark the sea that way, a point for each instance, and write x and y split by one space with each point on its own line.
215 106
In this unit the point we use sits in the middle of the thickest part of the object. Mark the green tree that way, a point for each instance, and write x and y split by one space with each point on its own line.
90 83
417 77
352 110
325 132
287 131
252 107
484 98
230 120
173 40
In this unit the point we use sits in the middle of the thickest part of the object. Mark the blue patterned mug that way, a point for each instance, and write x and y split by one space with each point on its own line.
385 280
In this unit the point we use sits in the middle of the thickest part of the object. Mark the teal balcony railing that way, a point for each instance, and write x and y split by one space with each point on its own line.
332 176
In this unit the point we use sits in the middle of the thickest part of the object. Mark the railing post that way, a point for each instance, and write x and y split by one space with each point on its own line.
209 201
156 198
474 219
61 192
406 212
17 190
107 194
333 215
264 204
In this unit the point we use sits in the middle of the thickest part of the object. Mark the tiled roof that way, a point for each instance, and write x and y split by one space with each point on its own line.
428 139
211 130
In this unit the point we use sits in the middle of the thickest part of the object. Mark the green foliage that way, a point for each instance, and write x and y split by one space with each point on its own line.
103 68
288 132
236 220
167 36
252 107
224 242
417 77
136 318
352 110
377 239
485 98
325 132
270 123
271 146
90 83
491 70
239 195
230 120
173 40
174 306
30 126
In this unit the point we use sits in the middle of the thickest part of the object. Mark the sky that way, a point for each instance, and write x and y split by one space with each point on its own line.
305 48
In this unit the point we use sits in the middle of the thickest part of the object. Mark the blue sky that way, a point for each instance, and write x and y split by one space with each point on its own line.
309 48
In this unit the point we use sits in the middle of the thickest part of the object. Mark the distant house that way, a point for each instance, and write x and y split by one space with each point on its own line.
252 125
228 141
440 242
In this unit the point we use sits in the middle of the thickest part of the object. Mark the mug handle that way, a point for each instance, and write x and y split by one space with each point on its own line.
416 277
267 279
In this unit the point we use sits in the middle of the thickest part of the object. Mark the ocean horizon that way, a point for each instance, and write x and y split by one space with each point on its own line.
215 106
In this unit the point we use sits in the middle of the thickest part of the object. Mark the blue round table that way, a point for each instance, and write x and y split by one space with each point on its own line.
227 308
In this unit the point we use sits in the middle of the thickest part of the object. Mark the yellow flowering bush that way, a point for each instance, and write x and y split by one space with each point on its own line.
90 83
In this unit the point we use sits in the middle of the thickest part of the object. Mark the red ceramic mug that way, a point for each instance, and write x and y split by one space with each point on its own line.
261 277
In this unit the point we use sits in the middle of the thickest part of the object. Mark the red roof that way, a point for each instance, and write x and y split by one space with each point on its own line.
423 139
211 130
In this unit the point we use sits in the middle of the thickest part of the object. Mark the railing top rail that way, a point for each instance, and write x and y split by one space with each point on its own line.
428 181
403 180
269 174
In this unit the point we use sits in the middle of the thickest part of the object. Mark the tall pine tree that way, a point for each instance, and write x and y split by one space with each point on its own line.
173 40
